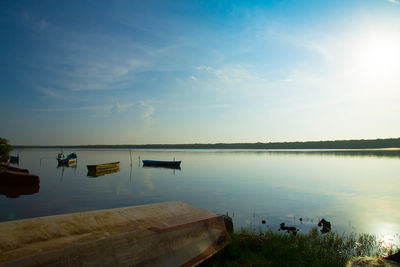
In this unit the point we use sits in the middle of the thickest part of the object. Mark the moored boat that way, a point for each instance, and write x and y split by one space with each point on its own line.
159 163
68 160
103 166
15 176
14 159
163 234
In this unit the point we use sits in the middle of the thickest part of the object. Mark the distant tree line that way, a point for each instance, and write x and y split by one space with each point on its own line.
337 144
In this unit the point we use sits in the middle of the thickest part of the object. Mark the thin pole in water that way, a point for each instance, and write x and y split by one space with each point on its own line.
130 155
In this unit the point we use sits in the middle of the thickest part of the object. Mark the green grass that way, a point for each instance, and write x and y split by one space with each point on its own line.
281 249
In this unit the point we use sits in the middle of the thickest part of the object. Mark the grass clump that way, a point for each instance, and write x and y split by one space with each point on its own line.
268 248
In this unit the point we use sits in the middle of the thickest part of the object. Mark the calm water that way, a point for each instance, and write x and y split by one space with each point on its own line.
356 191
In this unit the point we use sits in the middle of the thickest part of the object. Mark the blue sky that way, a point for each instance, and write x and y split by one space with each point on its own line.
138 72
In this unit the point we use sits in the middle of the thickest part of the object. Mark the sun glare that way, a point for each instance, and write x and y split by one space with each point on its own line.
378 56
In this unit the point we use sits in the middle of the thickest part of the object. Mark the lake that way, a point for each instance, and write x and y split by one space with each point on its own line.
357 191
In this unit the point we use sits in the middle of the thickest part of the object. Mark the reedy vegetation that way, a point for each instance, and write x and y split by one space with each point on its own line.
268 248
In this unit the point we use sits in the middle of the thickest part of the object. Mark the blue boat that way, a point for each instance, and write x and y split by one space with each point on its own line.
68 160
14 159
158 163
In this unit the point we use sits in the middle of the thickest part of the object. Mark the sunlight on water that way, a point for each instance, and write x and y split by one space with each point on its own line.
355 191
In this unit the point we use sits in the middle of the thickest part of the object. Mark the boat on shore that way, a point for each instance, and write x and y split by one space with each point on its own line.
158 163
15 176
68 160
163 234
103 167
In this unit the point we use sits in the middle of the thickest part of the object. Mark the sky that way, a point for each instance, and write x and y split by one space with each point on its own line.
151 72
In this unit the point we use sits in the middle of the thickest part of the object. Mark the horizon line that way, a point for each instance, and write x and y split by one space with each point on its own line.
220 143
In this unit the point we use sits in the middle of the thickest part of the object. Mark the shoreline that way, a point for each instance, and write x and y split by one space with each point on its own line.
377 144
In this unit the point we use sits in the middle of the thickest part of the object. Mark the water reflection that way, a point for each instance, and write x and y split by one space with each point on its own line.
15 191
358 191
162 167
97 173
72 165
391 153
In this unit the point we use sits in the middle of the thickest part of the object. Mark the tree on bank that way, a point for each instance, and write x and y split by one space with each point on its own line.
5 149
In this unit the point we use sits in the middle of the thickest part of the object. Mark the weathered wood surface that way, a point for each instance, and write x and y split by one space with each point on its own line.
164 234
103 167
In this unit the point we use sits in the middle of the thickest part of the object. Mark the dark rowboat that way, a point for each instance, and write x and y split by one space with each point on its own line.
163 234
158 163
15 176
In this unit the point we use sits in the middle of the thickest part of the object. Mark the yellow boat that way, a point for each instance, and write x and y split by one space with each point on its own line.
103 167
163 234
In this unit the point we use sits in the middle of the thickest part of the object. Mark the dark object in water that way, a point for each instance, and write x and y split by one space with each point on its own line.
263 221
158 163
228 223
15 176
14 159
289 229
301 219
394 257
326 226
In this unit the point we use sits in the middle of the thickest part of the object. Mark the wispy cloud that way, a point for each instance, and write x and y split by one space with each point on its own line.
81 108
50 92
229 73
148 114
202 107
37 24
394 2
118 108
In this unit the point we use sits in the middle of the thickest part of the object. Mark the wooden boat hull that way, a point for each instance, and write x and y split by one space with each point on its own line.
18 178
164 234
67 162
158 163
15 176
103 167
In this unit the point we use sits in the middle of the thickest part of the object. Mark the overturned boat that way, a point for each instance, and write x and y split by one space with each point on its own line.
163 234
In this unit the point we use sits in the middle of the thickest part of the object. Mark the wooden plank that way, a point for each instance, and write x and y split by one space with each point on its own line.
115 237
